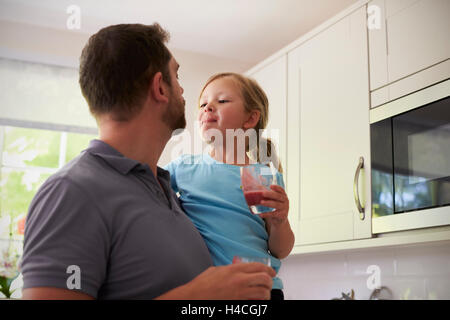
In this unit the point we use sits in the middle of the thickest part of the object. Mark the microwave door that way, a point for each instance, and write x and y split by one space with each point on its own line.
382 168
421 157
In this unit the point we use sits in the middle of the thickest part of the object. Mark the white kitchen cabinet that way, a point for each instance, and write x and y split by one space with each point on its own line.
413 35
273 80
327 115
328 132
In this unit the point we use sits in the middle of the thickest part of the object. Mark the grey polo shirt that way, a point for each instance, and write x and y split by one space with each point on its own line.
105 219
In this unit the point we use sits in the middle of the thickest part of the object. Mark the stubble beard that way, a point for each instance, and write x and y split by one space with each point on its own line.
174 116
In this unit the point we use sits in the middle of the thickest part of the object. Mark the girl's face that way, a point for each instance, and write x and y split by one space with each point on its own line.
222 107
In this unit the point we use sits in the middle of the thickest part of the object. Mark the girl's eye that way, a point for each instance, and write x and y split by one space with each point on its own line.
223 101
202 105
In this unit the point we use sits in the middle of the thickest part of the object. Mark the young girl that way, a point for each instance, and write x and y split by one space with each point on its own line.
209 185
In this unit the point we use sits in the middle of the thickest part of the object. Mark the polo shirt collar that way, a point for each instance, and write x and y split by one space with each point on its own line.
162 173
113 157
121 163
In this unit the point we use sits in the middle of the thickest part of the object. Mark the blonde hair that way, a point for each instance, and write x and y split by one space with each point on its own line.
254 98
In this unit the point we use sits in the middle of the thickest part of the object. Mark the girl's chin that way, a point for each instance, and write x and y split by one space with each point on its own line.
210 136
209 125
208 130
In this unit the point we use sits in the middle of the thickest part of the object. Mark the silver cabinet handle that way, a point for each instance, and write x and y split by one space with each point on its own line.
356 189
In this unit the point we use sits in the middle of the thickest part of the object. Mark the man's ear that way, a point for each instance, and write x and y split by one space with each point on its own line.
253 119
159 89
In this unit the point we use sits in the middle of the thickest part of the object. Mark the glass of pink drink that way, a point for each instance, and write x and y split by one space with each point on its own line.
255 180
240 259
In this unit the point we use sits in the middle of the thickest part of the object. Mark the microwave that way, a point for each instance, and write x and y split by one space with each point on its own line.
410 161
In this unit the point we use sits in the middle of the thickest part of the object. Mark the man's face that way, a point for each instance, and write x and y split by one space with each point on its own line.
174 116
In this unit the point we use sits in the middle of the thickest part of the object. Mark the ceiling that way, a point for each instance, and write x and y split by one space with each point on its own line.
242 30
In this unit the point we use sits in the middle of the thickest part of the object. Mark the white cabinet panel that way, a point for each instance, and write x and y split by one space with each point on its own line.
378 46
272 79
413 35
328 92
395 6
415 82
418 36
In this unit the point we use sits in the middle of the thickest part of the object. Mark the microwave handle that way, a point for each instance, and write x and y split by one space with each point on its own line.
356 189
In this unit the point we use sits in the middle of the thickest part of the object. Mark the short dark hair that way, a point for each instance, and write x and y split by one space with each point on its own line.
117 65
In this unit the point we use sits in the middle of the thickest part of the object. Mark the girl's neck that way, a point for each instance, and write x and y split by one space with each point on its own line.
233 158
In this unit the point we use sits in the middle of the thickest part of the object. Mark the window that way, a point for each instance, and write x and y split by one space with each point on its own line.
44 123
28 157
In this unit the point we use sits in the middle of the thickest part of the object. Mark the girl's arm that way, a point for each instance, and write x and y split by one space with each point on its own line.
281 237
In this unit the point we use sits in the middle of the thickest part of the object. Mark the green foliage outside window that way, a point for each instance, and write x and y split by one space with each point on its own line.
29 157
18 188
76 143
31 147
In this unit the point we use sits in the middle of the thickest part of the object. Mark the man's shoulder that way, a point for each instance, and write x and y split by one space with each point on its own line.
85 179
85 172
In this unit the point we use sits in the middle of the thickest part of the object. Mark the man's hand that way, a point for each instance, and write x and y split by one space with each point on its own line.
243 281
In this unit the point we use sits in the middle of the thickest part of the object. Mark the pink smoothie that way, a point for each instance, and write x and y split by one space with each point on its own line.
253 198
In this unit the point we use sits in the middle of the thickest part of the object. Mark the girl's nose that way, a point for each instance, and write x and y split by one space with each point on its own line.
208 108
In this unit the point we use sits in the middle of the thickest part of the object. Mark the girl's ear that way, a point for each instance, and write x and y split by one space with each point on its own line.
159 89
253 119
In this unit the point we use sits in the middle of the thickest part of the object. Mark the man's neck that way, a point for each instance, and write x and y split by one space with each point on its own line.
143 142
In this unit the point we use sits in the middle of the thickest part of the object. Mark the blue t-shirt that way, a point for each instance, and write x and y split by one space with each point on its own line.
211 195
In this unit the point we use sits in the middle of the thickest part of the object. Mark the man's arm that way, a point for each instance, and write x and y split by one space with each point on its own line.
243 281
61 227
249 281
48 293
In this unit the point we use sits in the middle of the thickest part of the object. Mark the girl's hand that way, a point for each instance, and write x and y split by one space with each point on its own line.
277 199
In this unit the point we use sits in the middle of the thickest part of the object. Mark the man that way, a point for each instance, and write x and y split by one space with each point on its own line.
107 225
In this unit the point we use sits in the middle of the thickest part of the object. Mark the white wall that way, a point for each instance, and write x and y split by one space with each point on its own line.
410 272
27 42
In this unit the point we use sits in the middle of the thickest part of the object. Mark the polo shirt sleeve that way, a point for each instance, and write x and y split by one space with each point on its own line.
66 242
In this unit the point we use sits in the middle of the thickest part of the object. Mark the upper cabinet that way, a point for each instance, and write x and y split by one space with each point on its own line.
328 126
321 88
407 38
272 79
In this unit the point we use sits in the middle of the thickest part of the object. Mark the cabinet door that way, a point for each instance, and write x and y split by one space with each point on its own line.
418 35
272 79
413 36
328 121
377 44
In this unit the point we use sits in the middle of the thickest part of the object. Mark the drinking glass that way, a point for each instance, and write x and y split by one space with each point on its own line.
254 181
263 260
